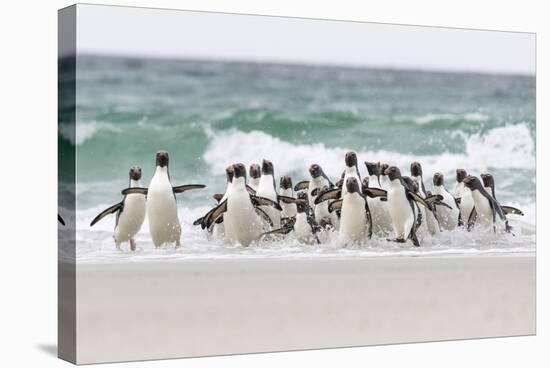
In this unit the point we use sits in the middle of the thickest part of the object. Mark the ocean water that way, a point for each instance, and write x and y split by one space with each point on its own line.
209 114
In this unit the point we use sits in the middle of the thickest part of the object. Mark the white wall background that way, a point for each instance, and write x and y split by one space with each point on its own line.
28 182
161 33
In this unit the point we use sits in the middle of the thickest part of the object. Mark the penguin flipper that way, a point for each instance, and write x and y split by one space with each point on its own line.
113 209
198 221
302 185
375 192
287 228
414 238
134 190
250 190
217 197
415 197
213 214
264 216
369 219
60 219
508 210
185 187
336 205
286 199
329 194
471 219
262 201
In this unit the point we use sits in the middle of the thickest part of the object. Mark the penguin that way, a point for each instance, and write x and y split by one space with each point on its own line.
318 180
428 214
255 174
130 212
318 183
447 216
286 190
463 196
355 218
218 226
304 226
244 219
266 189
381 220
403 206
487 210
489 185
162 209
351 171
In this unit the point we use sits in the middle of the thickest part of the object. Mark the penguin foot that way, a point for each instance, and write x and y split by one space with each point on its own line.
396 240
132 245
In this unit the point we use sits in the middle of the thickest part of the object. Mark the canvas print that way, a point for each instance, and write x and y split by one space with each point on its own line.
236 184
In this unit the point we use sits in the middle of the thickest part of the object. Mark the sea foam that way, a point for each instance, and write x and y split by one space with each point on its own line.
510 146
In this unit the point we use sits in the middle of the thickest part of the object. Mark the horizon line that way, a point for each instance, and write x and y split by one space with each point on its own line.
298 63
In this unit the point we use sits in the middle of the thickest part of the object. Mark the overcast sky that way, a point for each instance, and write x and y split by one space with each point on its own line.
182 34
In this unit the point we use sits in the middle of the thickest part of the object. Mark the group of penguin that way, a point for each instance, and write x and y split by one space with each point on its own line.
385 204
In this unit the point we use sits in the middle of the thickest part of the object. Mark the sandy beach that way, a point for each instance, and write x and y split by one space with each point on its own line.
137 311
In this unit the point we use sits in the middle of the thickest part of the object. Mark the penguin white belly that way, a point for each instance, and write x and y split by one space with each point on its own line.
131 218
353 219
254 183
315 183
381 220
400 210
457 191
302 229
384 182
483 209
162 212
242 224
267 190
321 211
289 209
448 218
466 204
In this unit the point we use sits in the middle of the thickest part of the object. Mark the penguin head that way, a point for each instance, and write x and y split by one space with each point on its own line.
302 196
461 174
365 182
472 183
286 182
382 169
352 185
255 171
488 180
315 171
301 205
393 173
239 171
351 159
438 179
372 168
229 172
416 169
267 167
162 158
135 173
